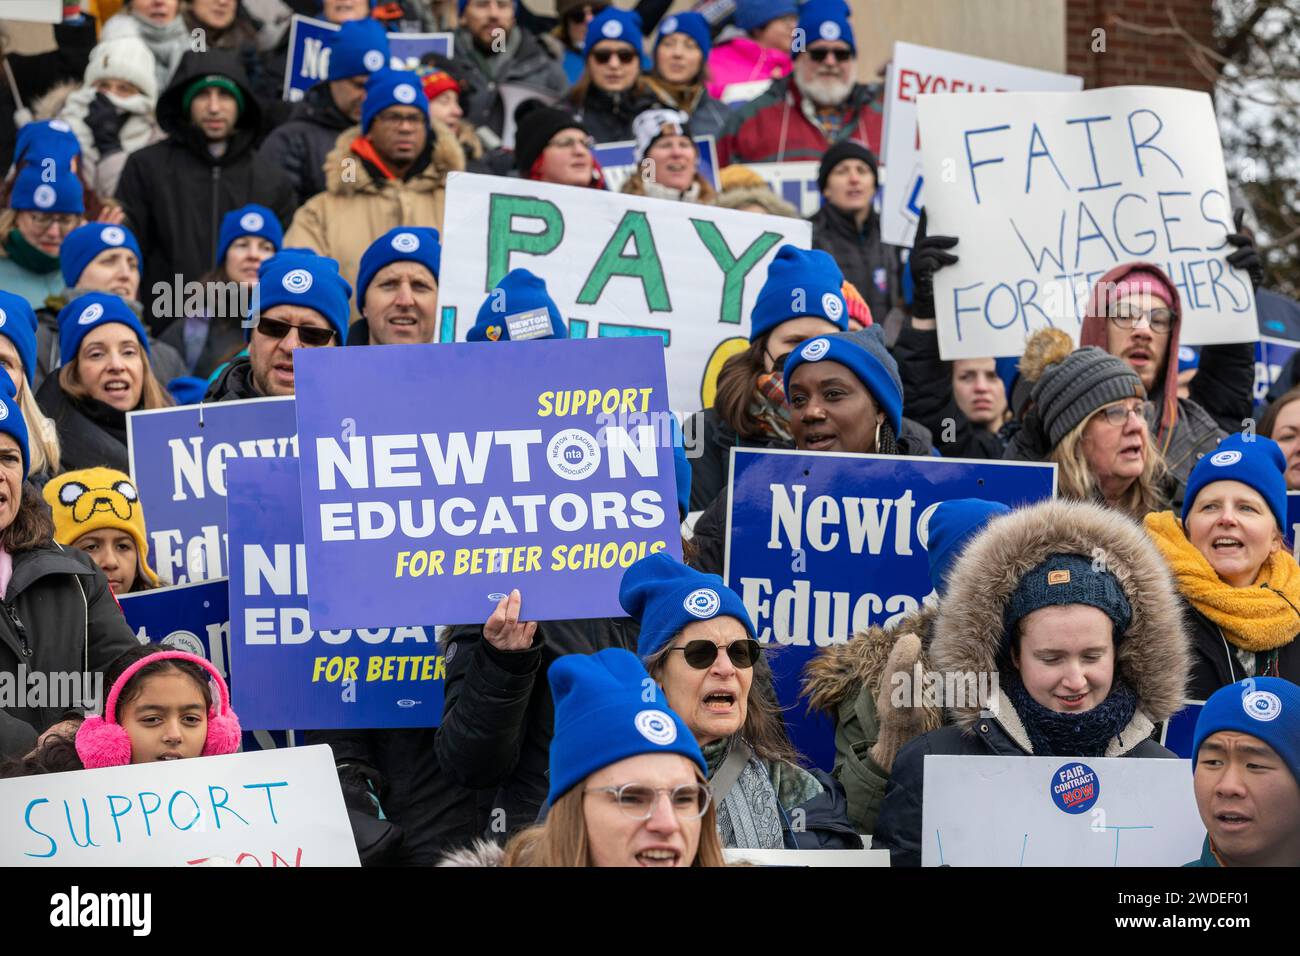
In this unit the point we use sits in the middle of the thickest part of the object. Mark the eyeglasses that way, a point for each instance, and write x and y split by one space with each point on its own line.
308 335
569 142
1159 320
820 54
43 220
689 800
603 56
701 654
1119 414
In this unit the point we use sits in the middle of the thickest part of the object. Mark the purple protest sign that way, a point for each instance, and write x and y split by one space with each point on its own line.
436 478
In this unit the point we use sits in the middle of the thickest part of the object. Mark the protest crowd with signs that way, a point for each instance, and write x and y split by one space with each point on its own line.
361 357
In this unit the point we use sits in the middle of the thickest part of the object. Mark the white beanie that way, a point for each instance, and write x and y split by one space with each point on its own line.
126 58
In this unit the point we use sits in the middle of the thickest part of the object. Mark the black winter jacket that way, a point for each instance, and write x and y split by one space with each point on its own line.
225 337
91 433
928 398
234 383
498 717
531 65
176 192
710 440
865 260
299 147
608 116
1215 662
70 622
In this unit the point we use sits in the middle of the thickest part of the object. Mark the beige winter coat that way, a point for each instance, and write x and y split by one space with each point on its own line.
355 208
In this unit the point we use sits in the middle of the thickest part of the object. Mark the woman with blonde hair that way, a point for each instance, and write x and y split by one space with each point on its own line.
18 358
1088 415
627 784
105 373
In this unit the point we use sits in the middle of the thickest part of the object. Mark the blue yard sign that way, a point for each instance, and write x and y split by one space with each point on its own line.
309 55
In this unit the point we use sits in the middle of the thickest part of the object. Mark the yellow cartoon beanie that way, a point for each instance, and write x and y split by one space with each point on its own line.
94 499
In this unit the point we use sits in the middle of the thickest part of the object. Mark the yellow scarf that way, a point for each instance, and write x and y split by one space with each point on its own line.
1254 618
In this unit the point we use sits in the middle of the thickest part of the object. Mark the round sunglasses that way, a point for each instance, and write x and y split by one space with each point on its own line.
701 654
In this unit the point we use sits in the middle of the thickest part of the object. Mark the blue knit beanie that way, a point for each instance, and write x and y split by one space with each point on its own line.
358 48
602 716
665 595
1264 707
85 242
1069 579
952 525
18 325
31 192
800 283
518 309
864 354
824 20
1257 462
11 418
402 244
250 220
753 15
387 88
87 312
614 24
188 389
695 26
307 281
47 139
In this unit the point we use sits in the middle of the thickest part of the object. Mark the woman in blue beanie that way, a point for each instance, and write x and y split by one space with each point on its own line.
626 778
105 374
681 54
39 217
844 395
98 257
1239 582
18 358
213 333
611 91
1059 635
698 643
853 683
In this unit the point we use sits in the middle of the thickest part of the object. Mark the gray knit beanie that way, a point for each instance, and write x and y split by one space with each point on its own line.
1088 379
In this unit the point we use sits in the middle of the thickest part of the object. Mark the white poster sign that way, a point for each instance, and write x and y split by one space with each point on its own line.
616 265
913 71
1059 811
1049 191
267 808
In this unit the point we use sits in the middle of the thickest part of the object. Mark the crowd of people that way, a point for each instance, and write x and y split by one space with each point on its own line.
173 232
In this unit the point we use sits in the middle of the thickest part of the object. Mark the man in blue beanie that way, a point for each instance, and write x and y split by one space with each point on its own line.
1246 773
300 146
300 301
816 106
495 52
397 289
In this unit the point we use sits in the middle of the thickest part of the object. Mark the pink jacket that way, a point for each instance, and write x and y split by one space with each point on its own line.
743 61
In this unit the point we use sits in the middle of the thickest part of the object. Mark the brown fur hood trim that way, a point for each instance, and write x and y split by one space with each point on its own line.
50 104
759 195
479 853
1153 655
841 669
448 155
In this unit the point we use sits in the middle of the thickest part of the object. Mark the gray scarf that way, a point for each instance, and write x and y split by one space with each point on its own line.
749 816
167 44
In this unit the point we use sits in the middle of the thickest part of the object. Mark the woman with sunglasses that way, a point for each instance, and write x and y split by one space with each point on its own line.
105 373
1087 656
1239 583
697 642
626 784
1088 415
681 54
612 91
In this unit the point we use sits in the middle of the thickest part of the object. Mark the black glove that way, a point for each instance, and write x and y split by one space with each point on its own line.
361 785
928 256
1247 256
105 121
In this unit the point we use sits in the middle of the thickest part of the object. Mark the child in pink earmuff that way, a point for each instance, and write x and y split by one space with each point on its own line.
159 707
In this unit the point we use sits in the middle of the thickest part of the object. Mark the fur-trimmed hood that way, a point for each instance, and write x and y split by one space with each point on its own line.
448 155
759 196
842 669
478 853
1153 654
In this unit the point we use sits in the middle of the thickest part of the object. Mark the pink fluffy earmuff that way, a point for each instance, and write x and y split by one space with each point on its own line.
102 742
